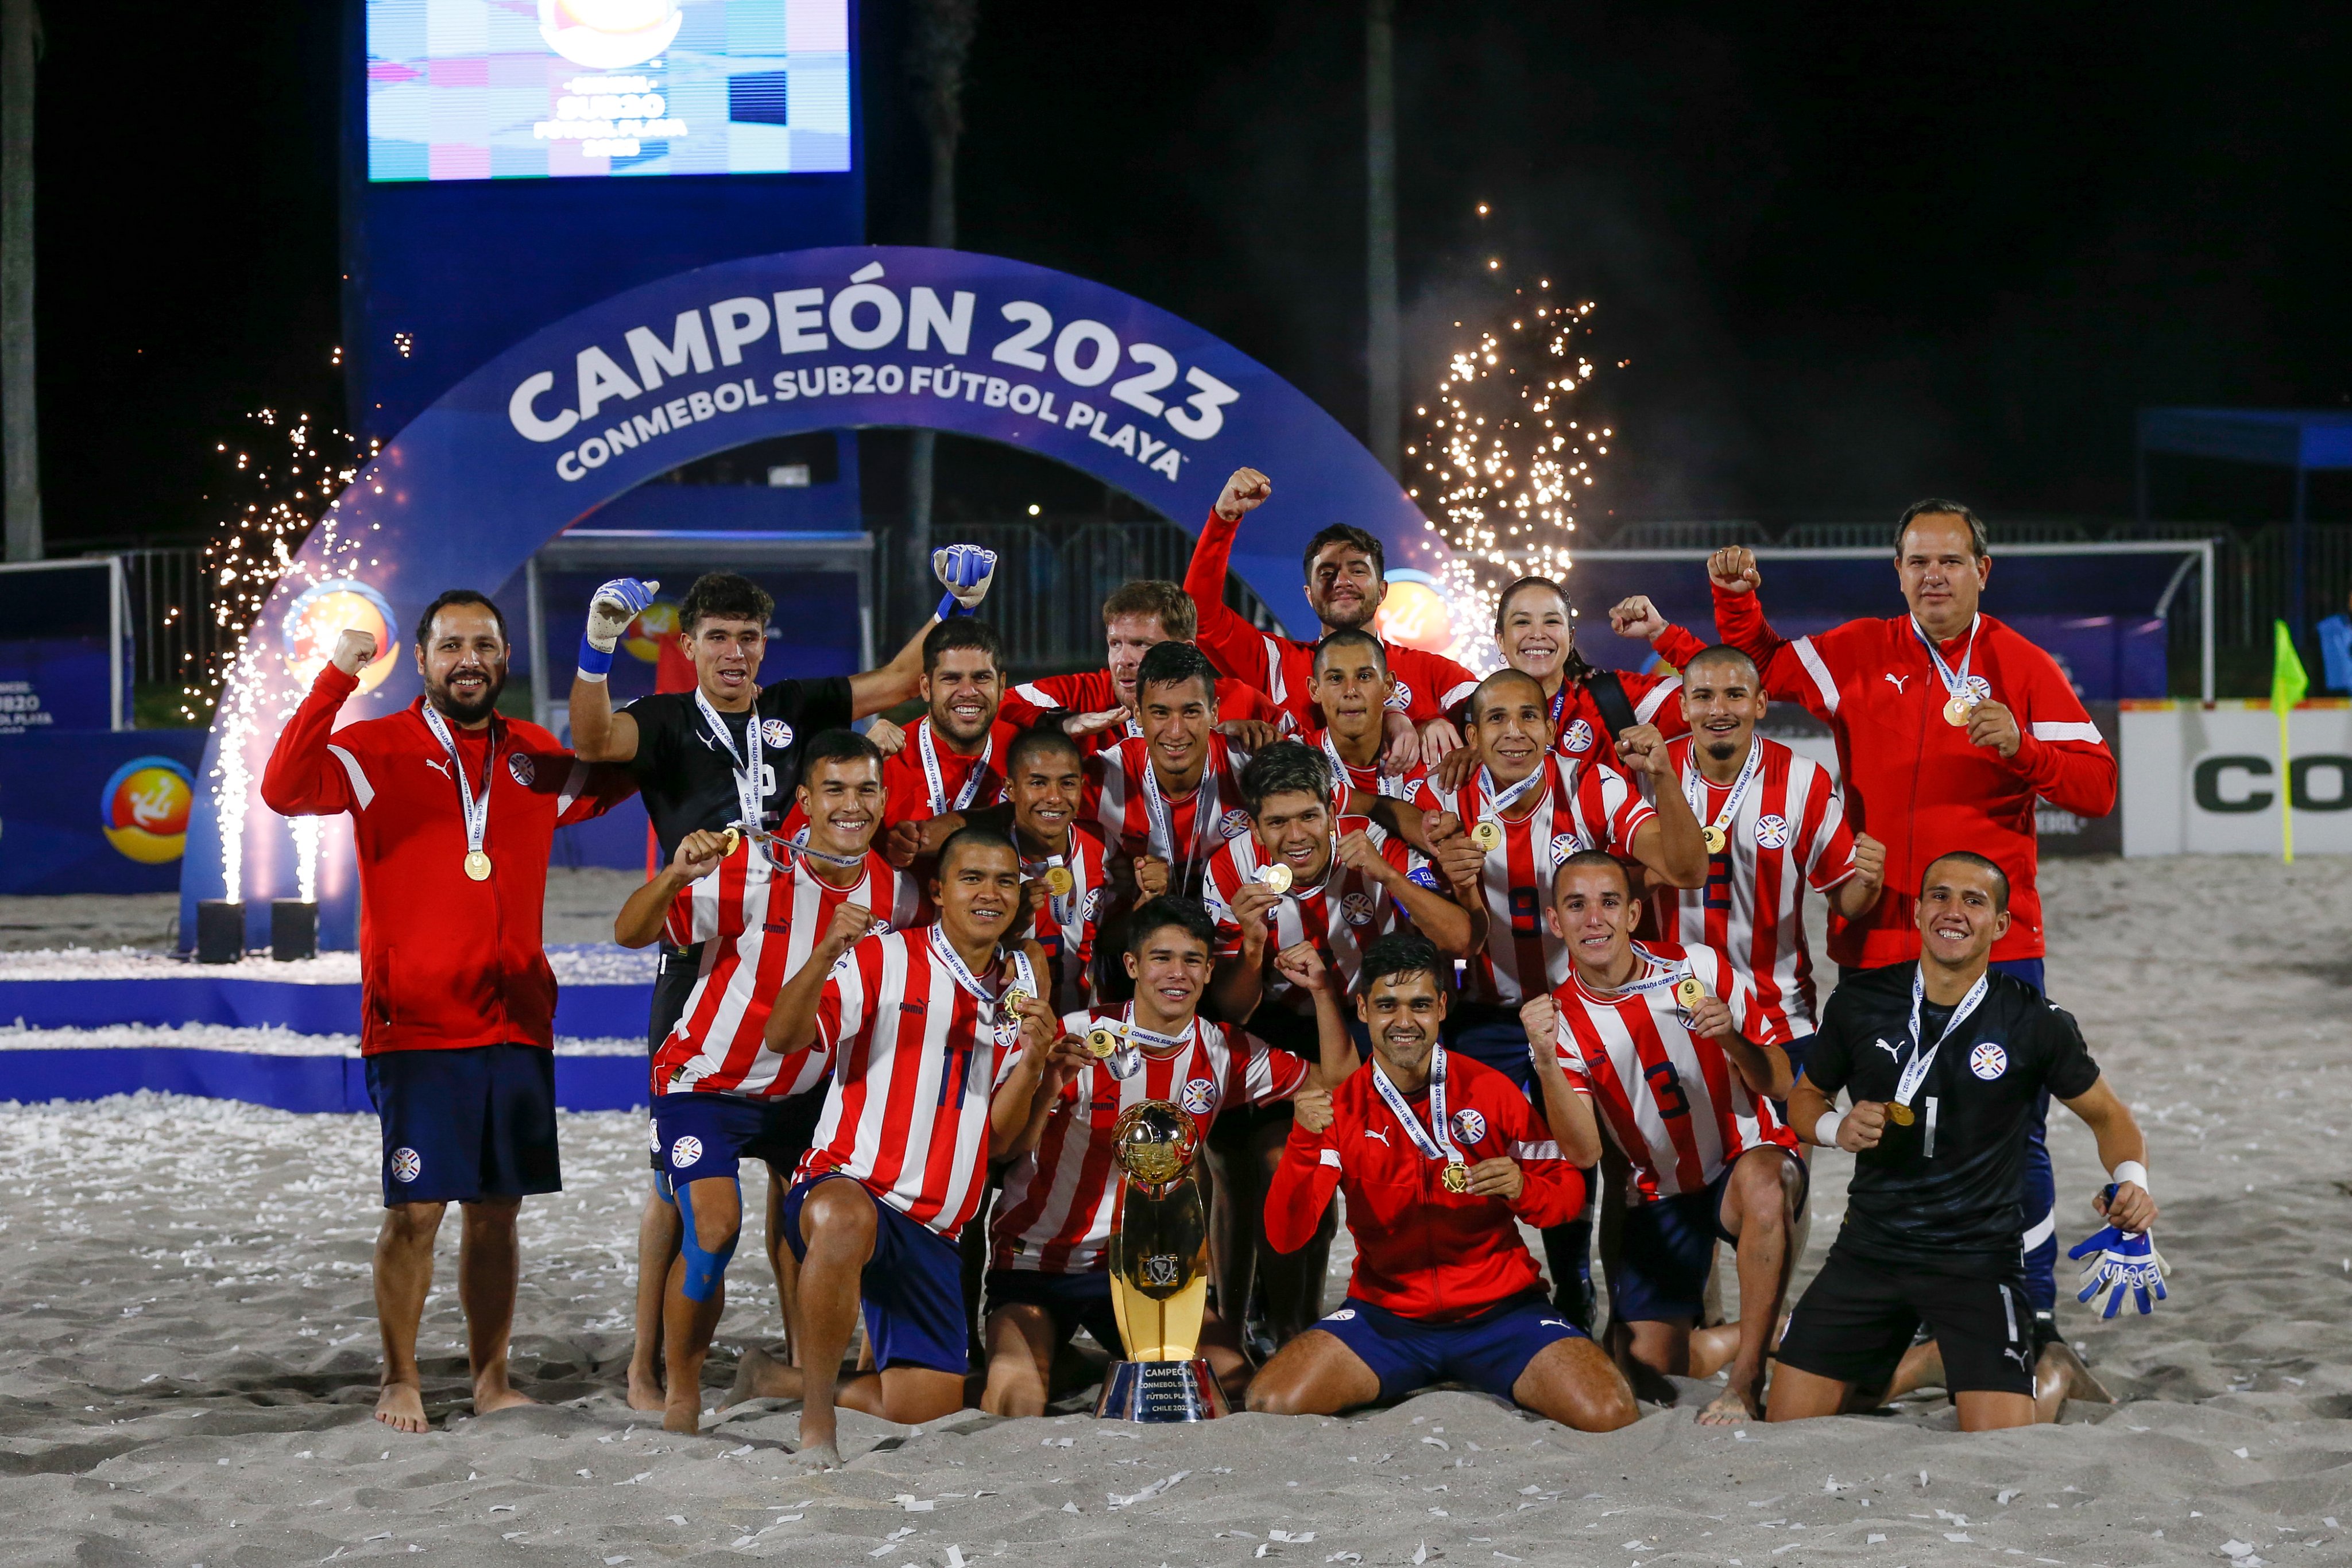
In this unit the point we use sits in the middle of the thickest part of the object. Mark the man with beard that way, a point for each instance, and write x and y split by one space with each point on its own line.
1442 1160
953 760
939 1038
1945 1060
453 811
1345 581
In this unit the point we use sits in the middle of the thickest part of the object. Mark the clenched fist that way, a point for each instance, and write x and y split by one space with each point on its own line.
355 650
1733 569
1244 492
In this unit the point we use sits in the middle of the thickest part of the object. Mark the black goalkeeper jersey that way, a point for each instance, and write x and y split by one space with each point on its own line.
1946 1192
687 777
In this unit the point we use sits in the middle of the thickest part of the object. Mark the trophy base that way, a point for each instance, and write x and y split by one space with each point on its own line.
1158 1392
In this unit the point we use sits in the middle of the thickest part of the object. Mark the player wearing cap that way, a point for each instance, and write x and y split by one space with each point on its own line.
1950 725
1350 686
1345 581
1050 1241
939 1038
766 917
1442 1159
1944 1059
727 751
1669 1046
1165 799
452 809
1097 708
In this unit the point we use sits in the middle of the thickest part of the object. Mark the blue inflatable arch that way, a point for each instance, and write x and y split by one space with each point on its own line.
768 346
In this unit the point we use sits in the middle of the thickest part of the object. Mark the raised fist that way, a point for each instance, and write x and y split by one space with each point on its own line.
1246 491
612 607
967 570
1733 569
1637 617
355 650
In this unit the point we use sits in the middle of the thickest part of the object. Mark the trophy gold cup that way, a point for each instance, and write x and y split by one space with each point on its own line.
1158 1273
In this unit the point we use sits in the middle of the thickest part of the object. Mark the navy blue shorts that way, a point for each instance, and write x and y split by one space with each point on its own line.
699 1137
1667 1249
476 1122
1073 1301
1488 1352
913 1286
1797 1049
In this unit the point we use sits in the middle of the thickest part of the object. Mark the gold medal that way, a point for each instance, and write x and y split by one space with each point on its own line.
1716 839
1899 1113
1456 1178
477 865
1276 877
1101 1043
1059 881
1689 993
1956 711
1488 836
733 836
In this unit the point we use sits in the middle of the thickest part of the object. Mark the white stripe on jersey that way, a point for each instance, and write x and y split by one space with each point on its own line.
1200 822
1055 1213
1823 682
1364 910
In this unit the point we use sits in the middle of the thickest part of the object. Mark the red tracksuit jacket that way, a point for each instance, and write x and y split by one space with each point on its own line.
1421 1251
1912 781
1279 666
444 961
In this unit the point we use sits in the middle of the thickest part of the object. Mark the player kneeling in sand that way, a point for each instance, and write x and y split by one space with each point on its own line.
1050 1243
940 1039
1441 1158
1658 1037
1946 1062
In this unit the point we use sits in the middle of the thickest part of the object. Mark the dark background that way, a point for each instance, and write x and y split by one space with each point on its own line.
1852 253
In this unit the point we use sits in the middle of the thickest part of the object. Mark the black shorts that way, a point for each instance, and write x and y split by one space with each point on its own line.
1858 1317
478 1122
673 985
1073 1301
1667 1249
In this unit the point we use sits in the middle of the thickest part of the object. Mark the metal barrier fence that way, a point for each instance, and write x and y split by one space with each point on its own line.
173 636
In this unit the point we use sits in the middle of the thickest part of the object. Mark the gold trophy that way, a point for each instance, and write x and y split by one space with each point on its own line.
1158 1273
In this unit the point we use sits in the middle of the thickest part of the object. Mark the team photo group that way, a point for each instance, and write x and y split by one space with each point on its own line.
1514 962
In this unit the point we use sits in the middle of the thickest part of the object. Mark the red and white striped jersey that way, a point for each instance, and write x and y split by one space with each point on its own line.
1404 786
1065 928
1579 730
756 921
907 784
1583 805
1789 831
915 1059
1059 1204
1341 916
1116 800
1669 1098
1093 691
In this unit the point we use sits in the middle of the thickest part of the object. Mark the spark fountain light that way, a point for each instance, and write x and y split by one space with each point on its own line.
1505 453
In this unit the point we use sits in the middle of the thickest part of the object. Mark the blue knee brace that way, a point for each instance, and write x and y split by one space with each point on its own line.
704 1268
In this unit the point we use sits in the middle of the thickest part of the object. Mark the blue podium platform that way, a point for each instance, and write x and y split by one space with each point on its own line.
331 1083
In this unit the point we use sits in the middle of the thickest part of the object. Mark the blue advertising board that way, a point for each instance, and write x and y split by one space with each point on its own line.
61 648
96 813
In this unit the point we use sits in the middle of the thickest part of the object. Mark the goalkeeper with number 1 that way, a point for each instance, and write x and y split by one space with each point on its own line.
724 754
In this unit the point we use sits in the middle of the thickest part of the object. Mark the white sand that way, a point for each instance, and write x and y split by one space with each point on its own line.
187 1355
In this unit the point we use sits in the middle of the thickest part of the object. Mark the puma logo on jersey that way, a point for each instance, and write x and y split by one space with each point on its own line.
442 765
1897 682
1887 1049
1383 1137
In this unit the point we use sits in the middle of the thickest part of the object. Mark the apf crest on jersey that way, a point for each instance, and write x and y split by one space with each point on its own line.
1199 1095
1771 832
1564 845
1234 823
407 1164
775 732
1400 697
1988 1061
1097 901
687 1151
521 769
1357 908
1469 1126
1578 738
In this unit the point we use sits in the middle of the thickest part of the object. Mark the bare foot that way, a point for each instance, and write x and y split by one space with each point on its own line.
490 1400
682 1417
1739 1403
824 1456
759 1376
401 1406
645 1389
2060 1369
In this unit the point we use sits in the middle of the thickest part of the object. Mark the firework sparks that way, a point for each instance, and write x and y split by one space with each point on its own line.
1505 453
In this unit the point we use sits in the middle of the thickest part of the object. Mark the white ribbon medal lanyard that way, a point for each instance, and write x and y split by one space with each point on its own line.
1718 831
1456 1176
1134 1039
1488 832
749 774
931 776
999 1014
1689 991
1163 824
1923 1054
1962 690
477 808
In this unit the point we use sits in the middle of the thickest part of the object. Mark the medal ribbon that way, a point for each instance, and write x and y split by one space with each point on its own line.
1067 906
1022 980
1441 1147
1136 1031
748 778
1164 826
938 791
1915 1072
1666 975
1694 788
1957 684
477 808
1343 775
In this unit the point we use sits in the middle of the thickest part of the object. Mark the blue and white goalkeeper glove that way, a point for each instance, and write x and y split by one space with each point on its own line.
610 610
967 569
2119 1262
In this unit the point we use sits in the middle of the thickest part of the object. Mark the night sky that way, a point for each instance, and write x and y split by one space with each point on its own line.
1854 254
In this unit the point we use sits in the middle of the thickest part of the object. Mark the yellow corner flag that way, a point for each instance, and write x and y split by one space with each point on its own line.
2288 683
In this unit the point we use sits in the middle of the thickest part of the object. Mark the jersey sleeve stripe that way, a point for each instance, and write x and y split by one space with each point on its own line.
2088 733
362 790
1327 1157
1823 682
1654 699
1543 1151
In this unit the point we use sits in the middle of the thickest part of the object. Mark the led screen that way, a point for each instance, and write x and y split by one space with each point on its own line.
536 90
